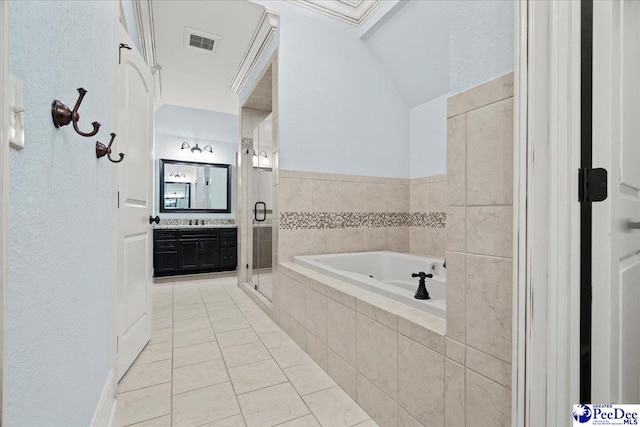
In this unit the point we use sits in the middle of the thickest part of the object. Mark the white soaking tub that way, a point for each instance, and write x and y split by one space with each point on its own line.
386 273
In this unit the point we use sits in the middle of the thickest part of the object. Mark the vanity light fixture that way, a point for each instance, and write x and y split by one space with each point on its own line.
197 148
261 159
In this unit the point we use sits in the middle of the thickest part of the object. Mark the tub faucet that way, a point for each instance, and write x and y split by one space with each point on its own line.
422 292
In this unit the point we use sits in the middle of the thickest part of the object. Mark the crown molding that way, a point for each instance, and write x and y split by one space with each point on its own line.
354 12
263 34
146 27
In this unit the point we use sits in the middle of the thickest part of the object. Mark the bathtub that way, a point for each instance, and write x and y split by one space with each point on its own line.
386 273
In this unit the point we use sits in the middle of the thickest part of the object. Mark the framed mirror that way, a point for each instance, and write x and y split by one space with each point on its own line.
194 187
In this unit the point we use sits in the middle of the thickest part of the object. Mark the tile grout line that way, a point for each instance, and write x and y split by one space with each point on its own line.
235 394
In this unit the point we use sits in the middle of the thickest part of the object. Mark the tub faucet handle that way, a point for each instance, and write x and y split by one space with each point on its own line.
422 292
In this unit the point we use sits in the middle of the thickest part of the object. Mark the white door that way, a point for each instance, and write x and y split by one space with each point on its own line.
134 177
616 221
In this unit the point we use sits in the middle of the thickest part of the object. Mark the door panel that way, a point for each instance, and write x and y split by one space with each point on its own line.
210 253
616 244
134 127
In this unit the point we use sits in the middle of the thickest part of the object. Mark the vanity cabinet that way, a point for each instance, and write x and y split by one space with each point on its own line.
187 251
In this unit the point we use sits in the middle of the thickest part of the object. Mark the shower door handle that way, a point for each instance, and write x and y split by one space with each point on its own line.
255 212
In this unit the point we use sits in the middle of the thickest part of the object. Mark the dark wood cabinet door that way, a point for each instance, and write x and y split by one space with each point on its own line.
188 254
165 262
228 258
209 253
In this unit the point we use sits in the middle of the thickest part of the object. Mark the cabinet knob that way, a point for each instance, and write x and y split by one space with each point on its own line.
152 219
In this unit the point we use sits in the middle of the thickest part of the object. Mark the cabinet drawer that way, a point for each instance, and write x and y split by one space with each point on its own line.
228 232
165 234
205 232
165 245
167 261
228 257
227 243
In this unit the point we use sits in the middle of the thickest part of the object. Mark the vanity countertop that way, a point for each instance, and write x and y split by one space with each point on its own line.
163 226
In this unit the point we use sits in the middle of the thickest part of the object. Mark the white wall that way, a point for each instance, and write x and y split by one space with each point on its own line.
175 125
338 109
482 35
428 135
60 230
413 46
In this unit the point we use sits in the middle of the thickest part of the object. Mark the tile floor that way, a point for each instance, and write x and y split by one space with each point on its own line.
216 359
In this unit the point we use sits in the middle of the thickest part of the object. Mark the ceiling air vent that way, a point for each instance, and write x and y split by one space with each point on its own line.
200 40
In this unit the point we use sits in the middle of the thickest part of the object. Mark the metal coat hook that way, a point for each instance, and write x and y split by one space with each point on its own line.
102 150
62 115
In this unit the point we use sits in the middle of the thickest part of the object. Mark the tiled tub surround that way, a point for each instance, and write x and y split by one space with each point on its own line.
386 273
479 251
321 213
389 357
427 195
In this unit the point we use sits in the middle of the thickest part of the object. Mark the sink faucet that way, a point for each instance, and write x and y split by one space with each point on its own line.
422 292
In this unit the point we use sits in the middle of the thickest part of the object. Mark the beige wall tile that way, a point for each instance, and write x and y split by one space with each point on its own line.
487 402
406 420
342 373
298 333
455 350
456 160
317 350
377 354
488 302
419 197
421 373
387 198
292 243
295 195
490 154
316 316
297 295
342 331
490 230
456 291
437 196
419 237
437 242
380 309
486 93
380 407
352 240
456 229
454 395
325 196
423 328
489 366
399 240
309 378
352 197
324 241
376 238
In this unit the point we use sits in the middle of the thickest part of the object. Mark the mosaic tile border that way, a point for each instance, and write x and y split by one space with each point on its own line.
327 220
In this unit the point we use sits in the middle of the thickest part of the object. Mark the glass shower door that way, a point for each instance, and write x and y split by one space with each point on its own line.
261 183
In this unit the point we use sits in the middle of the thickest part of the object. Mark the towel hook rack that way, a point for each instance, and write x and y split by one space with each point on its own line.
62 115
102 150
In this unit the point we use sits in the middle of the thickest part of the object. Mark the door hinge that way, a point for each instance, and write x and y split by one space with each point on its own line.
117 345
122 46
247 265
592 185
118 200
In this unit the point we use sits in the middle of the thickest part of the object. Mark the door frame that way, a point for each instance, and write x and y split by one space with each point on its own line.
546 315
4 196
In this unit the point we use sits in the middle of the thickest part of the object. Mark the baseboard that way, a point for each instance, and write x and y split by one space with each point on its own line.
106 409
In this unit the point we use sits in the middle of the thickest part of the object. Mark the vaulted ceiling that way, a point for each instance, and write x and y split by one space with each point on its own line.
199 78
